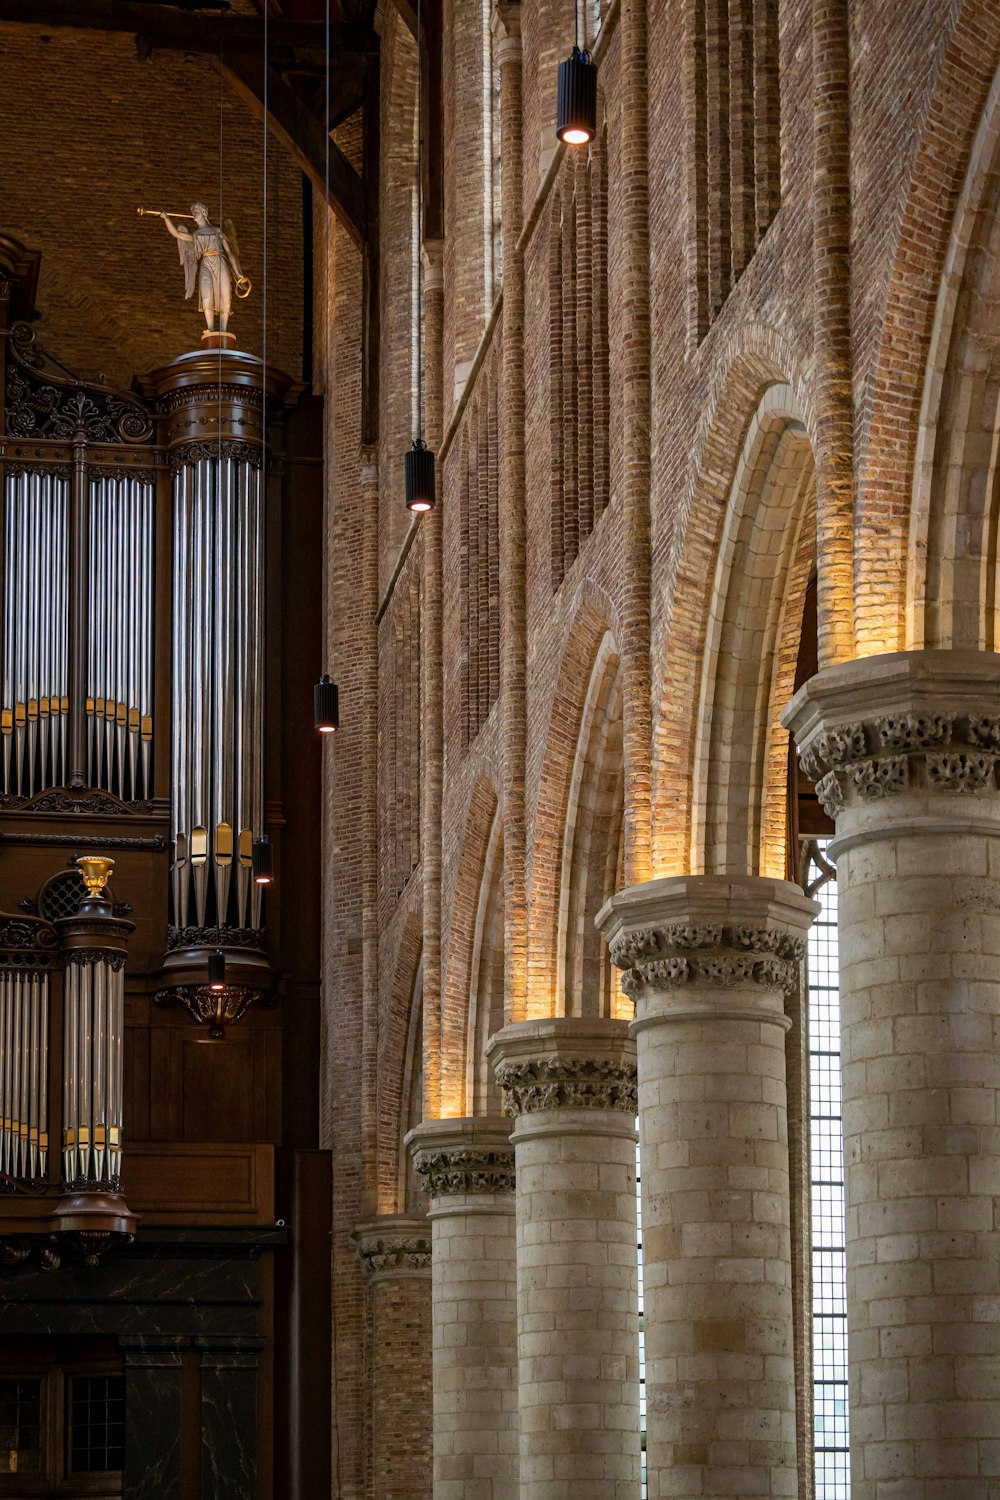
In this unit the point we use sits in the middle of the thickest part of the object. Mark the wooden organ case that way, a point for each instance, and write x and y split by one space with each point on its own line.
160 631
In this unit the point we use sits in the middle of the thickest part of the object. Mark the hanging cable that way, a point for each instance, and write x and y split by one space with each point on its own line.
326 699
419 460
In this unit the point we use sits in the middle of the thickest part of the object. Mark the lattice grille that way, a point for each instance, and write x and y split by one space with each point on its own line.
62 896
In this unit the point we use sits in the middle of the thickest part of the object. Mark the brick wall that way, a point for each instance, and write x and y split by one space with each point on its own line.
90 134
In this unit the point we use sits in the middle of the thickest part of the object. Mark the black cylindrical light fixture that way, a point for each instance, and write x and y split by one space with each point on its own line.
419 477
216 970
326 705
262 860
576 104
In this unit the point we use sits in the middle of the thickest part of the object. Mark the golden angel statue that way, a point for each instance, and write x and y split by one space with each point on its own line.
211 260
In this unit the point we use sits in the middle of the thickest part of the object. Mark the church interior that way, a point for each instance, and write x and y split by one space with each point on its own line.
499 749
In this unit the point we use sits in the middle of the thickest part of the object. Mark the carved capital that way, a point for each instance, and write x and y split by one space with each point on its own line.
567 1083
708 932
913 722
392 1248
465 1169
713 955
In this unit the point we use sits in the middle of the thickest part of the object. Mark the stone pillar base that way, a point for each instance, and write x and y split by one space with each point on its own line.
570 1085
709 960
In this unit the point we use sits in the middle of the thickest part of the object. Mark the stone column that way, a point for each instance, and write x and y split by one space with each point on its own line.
570 1085
709 960
395 1252
467 1169
904 750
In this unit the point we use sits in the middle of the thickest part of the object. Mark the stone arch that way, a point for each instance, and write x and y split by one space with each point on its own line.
915 318
593 847
411 1193
952 555
766 556
486 977
478 866
399 1061
757 361
592 617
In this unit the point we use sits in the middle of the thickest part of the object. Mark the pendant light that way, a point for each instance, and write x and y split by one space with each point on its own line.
326 705
419 477
217 970
419 460
576 96
262 860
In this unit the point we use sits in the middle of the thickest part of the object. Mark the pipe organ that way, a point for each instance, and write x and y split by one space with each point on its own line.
217 794
161 630
35 707
214 405
133 542
24 1073
94 944
119 681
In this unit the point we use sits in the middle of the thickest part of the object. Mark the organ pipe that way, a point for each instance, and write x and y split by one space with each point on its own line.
35 647
219 512
94 943
24 1063
119 673
113 614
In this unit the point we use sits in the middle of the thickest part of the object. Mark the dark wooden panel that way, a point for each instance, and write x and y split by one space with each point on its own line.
201 1089
181 1183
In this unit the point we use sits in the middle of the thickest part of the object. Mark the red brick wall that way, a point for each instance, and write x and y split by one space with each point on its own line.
90 133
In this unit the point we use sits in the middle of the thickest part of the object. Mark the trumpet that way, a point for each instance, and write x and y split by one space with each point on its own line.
158 213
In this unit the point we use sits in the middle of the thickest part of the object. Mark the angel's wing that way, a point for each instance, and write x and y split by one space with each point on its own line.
189 260
229 231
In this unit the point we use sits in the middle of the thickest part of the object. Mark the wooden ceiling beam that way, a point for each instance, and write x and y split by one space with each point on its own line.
195 31
298 130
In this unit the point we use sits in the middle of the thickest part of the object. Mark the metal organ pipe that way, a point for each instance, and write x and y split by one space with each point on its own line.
119 697
93 1090
24 1060
218 686
35 663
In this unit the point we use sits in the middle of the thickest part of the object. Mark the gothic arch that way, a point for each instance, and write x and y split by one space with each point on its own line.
480 862
486 980
399 1063
952 595
741 402
593 618
766 556
593 847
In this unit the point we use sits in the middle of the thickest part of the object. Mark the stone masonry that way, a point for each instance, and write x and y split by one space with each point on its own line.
570 1086
467 1169
904 750
708 960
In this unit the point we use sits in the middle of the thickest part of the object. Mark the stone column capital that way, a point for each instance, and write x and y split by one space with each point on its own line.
710 932
920 723
368 463
393 1247
432 254
566 1063
505 23
466 1157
